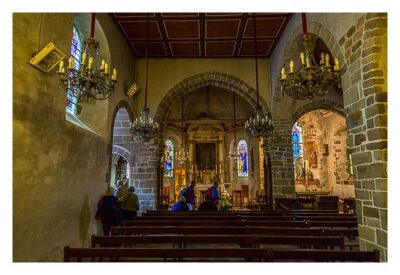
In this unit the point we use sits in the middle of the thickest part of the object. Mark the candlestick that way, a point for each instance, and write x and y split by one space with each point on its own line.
70 63
302 58
61 66
83 58
90 62
291 66
283 73
106 68
102 64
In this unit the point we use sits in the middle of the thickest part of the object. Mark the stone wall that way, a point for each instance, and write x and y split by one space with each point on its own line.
59 168
360 43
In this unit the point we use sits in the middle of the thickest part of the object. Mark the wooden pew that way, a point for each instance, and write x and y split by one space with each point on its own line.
179 217
270 223
165 254
350 233
174 240
240 240
310 255
219 254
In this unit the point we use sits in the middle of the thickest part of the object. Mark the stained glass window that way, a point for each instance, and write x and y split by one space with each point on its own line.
243 160
169 159
76 54
297 143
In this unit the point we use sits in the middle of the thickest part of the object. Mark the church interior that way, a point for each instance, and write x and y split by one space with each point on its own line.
285 111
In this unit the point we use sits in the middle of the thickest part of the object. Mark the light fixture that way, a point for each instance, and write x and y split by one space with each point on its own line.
181 154
258 125
310 79
234 154
86 80
144 128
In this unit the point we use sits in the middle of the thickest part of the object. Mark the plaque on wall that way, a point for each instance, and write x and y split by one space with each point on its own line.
205 155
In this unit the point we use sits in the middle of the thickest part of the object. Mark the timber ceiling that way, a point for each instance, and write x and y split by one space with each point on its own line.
210 35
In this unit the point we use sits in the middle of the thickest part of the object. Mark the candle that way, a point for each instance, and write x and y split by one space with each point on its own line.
327 59
90 62
302 58
114 75
102 64
83 58
61 66
63 70
308 62
70 63
283 73
291 66
106 68
336 64
322 61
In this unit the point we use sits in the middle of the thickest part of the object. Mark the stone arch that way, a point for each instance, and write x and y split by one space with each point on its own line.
195 82
315 105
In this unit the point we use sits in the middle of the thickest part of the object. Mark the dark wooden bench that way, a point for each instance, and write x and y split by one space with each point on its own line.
269 223
217 254
240 240
350 233
115 254
310 255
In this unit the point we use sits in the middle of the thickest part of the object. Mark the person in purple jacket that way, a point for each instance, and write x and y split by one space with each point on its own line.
189 194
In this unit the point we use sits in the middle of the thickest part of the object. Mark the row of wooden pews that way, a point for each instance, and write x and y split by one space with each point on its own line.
300 236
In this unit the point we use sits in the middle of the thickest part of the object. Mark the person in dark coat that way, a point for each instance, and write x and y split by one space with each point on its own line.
190 197
110 214
207 205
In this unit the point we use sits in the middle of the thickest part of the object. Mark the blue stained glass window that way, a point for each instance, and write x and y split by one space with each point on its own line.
297 141
76 54
169 159
243 160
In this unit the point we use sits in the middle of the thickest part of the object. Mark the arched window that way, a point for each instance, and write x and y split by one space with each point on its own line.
297 143
169 159
76 54
243 160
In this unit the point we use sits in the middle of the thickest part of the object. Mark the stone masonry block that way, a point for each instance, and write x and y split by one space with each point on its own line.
381 237
377 134
380 198
360 158
362 194
377 145
366 233
368 184
376 109
381 184
371 212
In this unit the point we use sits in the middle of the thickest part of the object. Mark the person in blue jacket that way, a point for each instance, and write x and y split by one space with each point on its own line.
180 205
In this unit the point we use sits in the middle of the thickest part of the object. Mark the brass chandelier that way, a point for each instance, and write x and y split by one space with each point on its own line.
310 79
86 80
258 125
144 128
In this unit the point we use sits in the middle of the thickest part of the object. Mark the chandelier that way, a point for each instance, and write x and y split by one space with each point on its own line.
181 154
258 125
85 80
310 79
234 154
144 128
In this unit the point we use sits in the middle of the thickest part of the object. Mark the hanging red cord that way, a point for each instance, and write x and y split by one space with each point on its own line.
304 22
92 22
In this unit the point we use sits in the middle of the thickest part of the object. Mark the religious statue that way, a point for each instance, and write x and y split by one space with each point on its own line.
313 160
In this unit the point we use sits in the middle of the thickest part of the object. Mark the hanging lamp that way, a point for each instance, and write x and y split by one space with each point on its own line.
310 79
144 128
85 80
258 125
